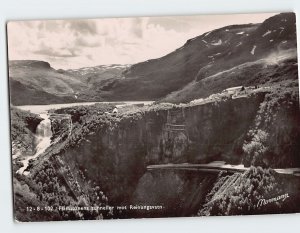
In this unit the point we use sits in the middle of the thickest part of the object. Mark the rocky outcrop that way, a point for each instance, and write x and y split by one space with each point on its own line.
116 156
23 127
180 193
112 151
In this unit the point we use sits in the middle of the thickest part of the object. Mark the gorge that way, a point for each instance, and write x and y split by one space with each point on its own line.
110 153
209 129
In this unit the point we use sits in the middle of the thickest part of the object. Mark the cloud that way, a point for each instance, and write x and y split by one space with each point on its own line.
79 43
83 26
172 23
60 53
87 42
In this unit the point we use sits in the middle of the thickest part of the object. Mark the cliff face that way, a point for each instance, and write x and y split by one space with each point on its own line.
180 193
103 159
23 127
116 156
238 130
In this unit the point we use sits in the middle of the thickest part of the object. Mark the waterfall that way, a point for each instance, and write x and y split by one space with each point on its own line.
43 135
42 141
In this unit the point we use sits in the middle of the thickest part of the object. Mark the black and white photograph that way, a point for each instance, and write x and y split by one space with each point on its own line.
154 117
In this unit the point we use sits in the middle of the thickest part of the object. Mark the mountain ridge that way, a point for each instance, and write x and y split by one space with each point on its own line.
156 79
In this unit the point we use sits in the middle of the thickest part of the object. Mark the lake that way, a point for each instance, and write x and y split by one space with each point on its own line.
37 109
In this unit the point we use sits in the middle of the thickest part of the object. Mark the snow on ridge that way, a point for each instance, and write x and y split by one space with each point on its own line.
214 55
240 33
267 33
204 41
217 43
253 50
207 34
239 44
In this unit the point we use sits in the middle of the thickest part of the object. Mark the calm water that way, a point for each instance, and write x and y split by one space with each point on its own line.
37 109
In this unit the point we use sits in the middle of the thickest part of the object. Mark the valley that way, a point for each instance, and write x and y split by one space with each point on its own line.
212 128
181 76
118 148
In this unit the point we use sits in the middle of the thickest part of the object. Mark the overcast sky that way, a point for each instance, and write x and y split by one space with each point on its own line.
81 43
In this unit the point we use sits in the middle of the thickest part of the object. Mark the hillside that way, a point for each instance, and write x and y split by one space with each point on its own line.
224 128
98 79
23 127
263 72
250 54
206 55
36 82
104 160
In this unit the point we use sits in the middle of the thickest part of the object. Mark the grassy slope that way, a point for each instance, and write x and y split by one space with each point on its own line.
241 196
204 56
44 78
261 72
35 82
200 58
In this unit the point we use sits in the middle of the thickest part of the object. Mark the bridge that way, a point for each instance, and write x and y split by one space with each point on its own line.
216 167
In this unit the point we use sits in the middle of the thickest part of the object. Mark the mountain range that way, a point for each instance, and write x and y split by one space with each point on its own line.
249 54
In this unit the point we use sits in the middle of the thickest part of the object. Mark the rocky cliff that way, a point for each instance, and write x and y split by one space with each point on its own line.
117 153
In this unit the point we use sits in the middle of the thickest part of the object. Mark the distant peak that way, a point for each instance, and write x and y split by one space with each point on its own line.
30 63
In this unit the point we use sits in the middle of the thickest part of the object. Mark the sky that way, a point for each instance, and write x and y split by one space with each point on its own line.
71 44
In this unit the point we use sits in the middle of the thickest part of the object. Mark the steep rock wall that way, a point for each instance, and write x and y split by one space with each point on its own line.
117 155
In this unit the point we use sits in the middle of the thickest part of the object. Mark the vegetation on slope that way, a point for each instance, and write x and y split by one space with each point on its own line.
264 72
67 181
273 140
204 56
240 194
172 75
44 196
23 126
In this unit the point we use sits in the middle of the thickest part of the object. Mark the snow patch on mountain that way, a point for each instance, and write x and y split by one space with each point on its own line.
267 33
253 50
207 34
239 44
217 43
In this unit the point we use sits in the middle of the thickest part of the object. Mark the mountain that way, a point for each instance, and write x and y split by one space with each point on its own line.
36 82
267 55
249 54
266 72
98 79
221 155
207 55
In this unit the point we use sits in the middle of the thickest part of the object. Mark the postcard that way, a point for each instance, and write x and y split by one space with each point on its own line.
154 117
